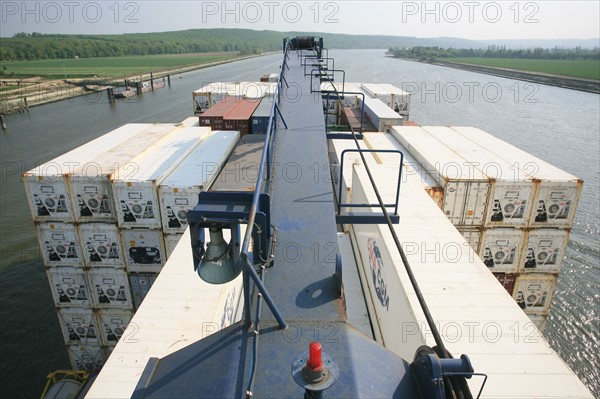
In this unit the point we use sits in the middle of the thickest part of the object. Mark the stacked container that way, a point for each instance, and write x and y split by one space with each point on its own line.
101 259
135 193
380 115
73 209
522 211
379 105
395 98
335 113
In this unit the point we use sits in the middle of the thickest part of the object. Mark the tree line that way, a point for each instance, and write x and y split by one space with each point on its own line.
37 46
493 51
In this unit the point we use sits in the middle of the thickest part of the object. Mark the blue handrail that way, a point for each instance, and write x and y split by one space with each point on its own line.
258 189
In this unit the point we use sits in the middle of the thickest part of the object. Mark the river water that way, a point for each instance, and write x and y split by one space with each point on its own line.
558 125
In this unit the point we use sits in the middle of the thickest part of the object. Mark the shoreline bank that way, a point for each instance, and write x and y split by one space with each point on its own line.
567 82
50 91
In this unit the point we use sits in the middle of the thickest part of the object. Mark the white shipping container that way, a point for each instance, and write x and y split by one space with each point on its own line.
348 100
544 250
380 115
60 245
411 169
49 199
556 203
510 204
101 244
351 158
86 357
135 186
192 121
557 192
110 288
91 194
400 99
466 188
69 287
178 191
511 191
533 292
144 250
46 186
501 249
171 241
375 90
79 326
472 236
112 324
331 119
207 96
391 95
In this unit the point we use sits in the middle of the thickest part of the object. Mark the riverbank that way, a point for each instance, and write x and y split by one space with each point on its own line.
21 94
581 84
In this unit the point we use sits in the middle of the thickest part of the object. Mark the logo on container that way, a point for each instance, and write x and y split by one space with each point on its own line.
377 273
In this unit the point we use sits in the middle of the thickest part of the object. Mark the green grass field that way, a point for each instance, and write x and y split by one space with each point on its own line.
109 66
577 68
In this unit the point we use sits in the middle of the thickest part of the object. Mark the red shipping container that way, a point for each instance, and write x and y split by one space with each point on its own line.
213 116
238 117
507 281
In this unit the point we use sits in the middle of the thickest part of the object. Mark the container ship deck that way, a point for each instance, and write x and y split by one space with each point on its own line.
285 277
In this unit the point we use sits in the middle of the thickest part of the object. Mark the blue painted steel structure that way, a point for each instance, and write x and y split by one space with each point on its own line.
296 271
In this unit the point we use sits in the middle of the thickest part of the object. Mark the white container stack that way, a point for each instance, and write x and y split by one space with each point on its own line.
134 185
520 217
380 115
395 98
466 188
46 186
101 259
332 106
91 183
557 192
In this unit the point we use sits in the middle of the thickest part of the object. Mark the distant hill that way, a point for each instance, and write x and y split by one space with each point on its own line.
36 46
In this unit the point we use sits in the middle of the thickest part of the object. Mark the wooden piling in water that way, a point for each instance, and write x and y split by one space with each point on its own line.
111 95
151 81
3 122
169 80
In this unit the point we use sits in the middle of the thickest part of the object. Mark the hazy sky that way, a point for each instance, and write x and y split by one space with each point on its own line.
466 19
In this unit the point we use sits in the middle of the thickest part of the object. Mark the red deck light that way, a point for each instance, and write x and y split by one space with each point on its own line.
315 360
